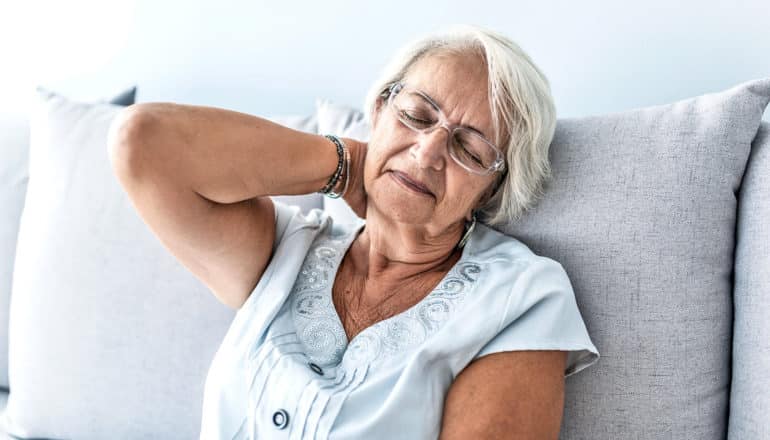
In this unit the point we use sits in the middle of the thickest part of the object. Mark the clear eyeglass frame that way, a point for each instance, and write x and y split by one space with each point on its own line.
442 122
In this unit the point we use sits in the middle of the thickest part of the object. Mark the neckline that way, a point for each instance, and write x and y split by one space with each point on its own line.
346 242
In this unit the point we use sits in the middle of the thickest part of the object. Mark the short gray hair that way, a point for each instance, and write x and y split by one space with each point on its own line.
522 108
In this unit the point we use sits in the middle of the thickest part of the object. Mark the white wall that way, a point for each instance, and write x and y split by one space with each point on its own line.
276 57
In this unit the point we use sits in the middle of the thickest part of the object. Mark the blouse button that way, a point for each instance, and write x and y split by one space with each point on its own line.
316 368
281 418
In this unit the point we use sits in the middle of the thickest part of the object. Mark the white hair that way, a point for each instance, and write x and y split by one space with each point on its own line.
522 109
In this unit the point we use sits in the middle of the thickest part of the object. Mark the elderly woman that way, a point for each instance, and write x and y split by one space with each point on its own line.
418 320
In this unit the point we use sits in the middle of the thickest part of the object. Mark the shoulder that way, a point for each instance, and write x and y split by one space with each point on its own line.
489 243
521 280
508 257
291 219
529 303
298 229
516 280
287 213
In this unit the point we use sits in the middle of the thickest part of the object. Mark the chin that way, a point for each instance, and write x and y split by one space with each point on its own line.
397 206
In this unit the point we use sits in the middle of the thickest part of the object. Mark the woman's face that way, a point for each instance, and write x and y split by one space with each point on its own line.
459 86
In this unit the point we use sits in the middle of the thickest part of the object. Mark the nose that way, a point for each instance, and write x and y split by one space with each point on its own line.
430 148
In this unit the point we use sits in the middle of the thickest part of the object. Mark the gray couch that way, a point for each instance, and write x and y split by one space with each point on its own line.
658 214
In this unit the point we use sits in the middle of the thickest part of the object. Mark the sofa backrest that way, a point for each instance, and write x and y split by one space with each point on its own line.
645 213
750 387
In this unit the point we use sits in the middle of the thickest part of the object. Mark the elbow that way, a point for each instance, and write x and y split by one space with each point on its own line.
129 130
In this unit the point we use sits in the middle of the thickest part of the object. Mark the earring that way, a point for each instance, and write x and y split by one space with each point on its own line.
467 234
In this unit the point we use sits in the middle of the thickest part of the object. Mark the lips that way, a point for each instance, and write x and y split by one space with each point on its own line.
410 182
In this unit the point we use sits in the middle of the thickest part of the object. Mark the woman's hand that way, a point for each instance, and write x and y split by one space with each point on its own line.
356 196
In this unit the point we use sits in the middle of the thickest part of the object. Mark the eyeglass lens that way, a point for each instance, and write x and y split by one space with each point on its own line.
466 146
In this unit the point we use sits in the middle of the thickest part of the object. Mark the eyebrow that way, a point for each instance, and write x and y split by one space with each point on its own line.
433 103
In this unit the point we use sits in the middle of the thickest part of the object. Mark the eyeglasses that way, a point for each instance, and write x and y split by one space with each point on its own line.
467 147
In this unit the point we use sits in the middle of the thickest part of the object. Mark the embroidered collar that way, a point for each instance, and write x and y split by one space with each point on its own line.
320 329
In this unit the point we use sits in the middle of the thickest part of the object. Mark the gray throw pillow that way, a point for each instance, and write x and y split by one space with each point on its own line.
642 215
641 212
14 174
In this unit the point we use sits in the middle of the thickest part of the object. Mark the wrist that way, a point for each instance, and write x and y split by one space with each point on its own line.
336 177
344 181
339 181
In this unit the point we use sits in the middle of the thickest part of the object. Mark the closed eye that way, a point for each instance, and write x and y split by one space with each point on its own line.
405 114
472 156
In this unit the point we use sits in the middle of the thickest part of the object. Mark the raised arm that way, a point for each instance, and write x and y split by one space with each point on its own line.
200 178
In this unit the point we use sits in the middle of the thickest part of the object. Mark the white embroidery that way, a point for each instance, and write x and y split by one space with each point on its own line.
320 329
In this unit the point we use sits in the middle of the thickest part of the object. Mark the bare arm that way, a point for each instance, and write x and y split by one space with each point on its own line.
227 156
200 178
508 395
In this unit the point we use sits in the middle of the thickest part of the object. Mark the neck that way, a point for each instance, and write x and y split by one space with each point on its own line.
390 253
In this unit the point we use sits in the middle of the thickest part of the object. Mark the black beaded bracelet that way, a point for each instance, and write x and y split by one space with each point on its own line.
345 175
340 157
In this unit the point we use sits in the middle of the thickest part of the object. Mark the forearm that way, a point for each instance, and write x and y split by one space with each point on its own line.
224 155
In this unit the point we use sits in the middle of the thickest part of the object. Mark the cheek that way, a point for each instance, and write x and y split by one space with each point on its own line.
464 193
380 150
375 161
460 192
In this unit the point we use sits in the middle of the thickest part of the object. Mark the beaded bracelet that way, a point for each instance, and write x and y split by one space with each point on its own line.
335 195
340 158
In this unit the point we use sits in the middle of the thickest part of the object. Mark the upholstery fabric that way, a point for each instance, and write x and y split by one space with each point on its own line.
750 391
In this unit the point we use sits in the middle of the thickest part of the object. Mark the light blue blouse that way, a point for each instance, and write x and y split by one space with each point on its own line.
285 369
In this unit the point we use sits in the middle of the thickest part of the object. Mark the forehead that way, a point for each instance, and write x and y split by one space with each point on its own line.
458 84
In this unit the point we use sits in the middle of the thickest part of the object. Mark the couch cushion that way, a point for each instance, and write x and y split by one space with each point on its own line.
14 144
641 212
750 391
111 337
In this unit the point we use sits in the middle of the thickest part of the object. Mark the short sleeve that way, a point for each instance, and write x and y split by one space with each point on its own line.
542 314
290 218
289 246
283 215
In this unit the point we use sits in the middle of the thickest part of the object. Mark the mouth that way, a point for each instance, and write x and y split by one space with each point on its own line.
409 184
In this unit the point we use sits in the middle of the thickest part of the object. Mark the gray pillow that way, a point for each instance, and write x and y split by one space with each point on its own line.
111 337
641 212
750 388
14 174
125 98
642 215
